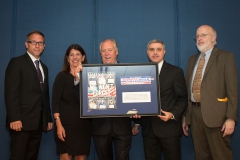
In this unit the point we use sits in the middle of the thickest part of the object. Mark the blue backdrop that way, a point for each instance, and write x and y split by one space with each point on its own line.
132 23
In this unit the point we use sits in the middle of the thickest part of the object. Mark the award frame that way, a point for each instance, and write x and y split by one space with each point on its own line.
119 90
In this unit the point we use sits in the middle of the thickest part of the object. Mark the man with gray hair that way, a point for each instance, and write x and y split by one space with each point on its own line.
161 134
105 131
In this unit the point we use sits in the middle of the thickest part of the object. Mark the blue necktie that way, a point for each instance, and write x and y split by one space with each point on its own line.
39 74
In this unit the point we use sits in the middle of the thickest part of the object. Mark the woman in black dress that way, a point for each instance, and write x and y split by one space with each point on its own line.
72 134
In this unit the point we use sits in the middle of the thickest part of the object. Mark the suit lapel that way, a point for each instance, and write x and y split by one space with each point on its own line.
211 60
32 66
192 66
163 71
45 73
70 80
77 91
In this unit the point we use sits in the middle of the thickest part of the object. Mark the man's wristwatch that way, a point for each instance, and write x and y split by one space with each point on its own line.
173 117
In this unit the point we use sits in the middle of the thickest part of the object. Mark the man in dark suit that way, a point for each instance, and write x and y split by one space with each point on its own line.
27 100
212 117
107 130
161 134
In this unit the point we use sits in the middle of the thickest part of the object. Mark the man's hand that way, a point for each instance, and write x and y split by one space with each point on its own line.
16 125
135 116
49 127
135 129
184 127
228 127
166 115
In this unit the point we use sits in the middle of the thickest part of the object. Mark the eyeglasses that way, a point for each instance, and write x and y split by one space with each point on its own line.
35 43
201 36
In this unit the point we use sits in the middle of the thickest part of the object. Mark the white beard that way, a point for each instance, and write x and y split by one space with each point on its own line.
205 47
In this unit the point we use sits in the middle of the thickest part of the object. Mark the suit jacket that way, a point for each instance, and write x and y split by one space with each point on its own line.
173 94
120 125
219 81
66 101
23 96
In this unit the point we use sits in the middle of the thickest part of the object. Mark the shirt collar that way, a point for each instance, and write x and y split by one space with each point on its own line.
208 53
32 57
160 66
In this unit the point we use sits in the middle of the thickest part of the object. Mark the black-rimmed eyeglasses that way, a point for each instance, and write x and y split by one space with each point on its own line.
35 43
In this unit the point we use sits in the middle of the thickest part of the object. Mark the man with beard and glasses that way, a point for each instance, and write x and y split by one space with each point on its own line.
212 85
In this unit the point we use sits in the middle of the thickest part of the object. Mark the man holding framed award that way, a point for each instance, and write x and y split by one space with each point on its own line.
117 129
161 134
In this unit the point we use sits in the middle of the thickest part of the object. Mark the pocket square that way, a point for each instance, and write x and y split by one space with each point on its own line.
222 99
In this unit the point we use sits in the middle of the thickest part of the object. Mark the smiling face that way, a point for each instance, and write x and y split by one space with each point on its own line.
156 52
35 49
75 58
109 52
205 38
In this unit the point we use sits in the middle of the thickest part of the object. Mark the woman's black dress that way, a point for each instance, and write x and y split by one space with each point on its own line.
65 100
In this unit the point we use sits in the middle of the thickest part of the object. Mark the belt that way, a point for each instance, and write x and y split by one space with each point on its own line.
196 104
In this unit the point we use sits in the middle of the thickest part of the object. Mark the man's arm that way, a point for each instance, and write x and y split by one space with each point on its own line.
180 92
11 93
231 83
47 97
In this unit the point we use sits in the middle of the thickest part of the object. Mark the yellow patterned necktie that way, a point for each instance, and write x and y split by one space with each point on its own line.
198 79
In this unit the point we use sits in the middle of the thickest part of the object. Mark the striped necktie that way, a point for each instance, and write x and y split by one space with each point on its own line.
198 79
39 74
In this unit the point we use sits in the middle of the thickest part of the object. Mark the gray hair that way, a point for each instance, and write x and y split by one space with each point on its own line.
155 41
215 34
112 40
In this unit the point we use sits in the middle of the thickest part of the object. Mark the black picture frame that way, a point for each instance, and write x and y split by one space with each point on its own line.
119 90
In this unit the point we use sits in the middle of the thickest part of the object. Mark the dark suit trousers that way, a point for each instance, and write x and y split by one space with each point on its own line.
154 147
25 145
209 143
103 145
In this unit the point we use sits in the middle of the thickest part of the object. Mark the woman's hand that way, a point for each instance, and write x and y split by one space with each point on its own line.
60 130
76 71
61 133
